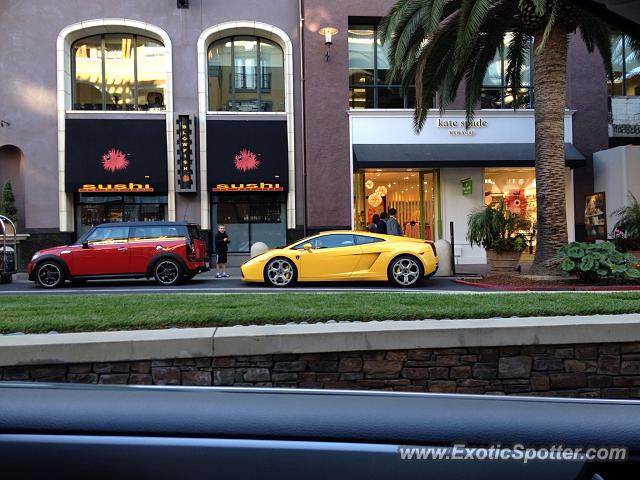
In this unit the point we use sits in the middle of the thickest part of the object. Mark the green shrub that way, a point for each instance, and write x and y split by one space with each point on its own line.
626 231
8 202
593 262
497 228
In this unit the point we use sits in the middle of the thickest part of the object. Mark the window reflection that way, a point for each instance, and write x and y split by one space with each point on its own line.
87 54
95 209
495 93
368 68
118 72
151 77
626 68
246 74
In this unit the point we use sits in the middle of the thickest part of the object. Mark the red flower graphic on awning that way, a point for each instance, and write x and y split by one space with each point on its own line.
114 160
246 160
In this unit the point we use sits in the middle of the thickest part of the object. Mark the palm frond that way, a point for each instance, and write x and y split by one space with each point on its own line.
517 53
472 18
540 6
596 34
553 16
435 55
477 70
388 23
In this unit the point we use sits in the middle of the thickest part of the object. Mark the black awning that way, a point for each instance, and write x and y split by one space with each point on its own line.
454 155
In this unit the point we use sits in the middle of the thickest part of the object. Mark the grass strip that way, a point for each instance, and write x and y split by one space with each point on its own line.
43 313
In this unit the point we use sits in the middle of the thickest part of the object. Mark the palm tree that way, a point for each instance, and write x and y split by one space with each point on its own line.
439 44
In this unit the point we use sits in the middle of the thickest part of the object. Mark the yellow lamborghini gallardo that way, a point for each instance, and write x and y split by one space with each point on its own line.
345 256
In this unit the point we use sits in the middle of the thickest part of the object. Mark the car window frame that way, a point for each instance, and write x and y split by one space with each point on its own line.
125 238
184 235
374 239
300 246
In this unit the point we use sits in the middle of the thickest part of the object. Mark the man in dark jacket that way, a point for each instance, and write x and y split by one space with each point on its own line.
393 227
222 241
382 224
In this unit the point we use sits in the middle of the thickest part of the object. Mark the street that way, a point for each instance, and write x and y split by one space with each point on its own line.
207 283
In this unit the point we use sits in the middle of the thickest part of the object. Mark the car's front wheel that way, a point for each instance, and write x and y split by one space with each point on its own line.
167 272
50 275
280 272
405 271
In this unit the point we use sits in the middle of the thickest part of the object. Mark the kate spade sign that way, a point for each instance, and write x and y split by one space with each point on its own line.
185 168
462 128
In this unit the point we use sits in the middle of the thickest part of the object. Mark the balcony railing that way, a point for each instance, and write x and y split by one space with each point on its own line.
624 116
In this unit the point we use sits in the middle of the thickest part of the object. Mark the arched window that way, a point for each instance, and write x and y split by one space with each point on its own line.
245 74
118 72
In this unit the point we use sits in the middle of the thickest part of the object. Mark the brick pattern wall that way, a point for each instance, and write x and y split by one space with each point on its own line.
610 370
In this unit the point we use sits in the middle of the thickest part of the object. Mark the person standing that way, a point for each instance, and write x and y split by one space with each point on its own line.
373 226
382 224
393 227
222 241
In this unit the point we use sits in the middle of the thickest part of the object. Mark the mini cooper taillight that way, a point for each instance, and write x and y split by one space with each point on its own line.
191 250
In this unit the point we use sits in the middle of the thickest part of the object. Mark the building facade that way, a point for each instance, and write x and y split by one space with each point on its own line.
239 113
142 110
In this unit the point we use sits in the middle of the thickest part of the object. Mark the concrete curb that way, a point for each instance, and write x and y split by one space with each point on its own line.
506 288
314 338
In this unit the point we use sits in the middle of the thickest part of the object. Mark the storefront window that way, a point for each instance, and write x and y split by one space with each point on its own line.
495 93
368 67
517 186
626 68
118 72
412 193
95 209
251 218
246 74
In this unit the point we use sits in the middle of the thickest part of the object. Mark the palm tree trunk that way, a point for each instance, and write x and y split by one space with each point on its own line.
550 88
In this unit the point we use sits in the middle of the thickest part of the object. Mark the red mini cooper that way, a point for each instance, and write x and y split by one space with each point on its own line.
167 251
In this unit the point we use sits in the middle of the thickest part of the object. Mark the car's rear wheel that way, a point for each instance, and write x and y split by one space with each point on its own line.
280 272
405 271
167 272
50 275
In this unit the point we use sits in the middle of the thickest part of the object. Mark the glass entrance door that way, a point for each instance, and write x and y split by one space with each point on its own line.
251 218
413 193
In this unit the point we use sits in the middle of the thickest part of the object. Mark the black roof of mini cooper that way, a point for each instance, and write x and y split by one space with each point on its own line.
147 224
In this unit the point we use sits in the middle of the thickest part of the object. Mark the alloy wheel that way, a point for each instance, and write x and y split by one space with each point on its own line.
280 272
167 272
405 271
49 275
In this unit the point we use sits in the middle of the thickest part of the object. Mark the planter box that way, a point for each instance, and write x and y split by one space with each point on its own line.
503 262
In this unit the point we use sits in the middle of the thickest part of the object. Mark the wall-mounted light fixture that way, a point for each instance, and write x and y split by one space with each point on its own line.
183 3
328 33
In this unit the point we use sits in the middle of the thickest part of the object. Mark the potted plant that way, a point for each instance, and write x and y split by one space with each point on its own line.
499 231
626 231
8 203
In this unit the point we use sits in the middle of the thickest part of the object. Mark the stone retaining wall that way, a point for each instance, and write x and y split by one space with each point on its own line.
598 370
